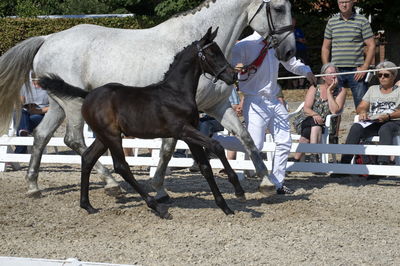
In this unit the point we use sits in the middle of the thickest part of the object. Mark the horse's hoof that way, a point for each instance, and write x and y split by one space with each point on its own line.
267 190
90 209
162 211
164 199
113 191
34 194
228 211
241 197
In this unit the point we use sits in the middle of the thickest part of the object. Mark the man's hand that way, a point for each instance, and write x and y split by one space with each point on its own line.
238 109
311 78
34 109
359 76
239 67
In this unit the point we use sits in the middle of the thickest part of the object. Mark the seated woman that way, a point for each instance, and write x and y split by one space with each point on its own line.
379 112
320 101
35 104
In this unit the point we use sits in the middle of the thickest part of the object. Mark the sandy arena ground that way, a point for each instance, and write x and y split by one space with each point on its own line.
349 221
333 222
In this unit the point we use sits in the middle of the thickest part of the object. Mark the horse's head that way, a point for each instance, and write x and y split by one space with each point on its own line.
272 19
212 59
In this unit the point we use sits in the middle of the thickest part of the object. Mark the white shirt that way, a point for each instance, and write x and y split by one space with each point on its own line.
264 82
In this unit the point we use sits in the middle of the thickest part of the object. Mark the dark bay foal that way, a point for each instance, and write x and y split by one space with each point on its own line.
163 110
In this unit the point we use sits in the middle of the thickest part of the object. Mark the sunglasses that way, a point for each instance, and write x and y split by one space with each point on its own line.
385 75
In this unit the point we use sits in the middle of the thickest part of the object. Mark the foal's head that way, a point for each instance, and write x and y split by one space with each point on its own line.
212 59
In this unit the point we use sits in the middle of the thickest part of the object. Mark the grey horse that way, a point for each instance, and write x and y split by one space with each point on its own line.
89 56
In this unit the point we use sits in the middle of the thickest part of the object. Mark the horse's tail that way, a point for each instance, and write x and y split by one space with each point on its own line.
15 65
60 88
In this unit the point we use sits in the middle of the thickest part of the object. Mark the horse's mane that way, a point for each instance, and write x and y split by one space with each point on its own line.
176 60
206 4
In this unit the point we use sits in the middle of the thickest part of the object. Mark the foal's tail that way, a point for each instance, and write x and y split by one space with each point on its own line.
15 65
60 88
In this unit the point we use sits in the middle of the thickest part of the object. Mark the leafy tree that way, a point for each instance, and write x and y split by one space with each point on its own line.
311 14
27 8
7 8
138 7
170 7
70 7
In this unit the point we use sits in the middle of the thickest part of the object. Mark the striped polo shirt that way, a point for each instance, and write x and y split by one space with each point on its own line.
347 38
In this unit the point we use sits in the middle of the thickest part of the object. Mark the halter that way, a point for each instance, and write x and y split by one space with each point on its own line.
201 55
271 38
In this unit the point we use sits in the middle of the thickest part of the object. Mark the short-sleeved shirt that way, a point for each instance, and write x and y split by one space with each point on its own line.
381 103
348 38
35 95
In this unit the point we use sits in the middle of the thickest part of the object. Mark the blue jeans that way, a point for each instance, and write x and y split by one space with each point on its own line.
358 88
28 122
209 126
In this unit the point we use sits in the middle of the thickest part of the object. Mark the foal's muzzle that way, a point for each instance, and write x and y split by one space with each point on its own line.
228 75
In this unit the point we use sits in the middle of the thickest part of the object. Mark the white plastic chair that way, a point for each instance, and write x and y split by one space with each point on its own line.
395 140
325 138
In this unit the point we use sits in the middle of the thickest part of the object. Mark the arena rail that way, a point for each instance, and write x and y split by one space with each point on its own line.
18 261
239 164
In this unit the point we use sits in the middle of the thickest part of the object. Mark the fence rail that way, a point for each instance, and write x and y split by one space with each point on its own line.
239 164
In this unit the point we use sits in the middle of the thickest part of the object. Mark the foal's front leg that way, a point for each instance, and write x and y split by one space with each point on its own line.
205 169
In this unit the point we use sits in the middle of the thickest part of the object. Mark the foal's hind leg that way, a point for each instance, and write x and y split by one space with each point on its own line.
42 135
75 140
121 167
89 158
167 149
198 138
205 168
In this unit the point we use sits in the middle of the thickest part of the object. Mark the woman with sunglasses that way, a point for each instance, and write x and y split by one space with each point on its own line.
379 113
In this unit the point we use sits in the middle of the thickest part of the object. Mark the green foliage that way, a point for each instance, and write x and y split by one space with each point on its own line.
311 16
16 30
168 8
71 7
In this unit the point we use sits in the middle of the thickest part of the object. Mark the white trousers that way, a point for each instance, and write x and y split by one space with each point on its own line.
261 113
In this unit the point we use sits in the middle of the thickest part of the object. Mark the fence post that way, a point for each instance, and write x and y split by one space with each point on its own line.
155 153
3 150
6 149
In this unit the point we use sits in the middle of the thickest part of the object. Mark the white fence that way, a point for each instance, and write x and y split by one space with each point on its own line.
15 261
239 164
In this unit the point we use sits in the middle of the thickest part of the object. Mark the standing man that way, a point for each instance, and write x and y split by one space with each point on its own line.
261 107
345 34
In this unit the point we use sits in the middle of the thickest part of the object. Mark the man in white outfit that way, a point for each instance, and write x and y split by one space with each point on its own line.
261 107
